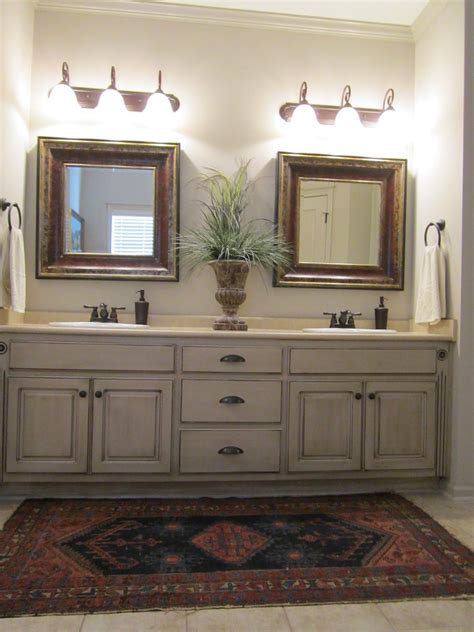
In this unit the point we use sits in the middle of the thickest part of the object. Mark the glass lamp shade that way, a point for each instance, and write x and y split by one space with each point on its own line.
347 119
111 103
63 101
388 121
304 117
158 108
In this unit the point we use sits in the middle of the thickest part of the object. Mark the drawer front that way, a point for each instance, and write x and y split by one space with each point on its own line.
231 401
220 451
232 359
362 361
98 357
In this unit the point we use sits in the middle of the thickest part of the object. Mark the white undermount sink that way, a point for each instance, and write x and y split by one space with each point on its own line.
97 325
337 330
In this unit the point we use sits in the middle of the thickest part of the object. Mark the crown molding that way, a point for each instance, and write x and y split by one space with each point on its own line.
428 16
231 17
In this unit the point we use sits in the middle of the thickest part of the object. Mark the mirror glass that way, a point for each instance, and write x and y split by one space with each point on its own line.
338 221
107 209
344 218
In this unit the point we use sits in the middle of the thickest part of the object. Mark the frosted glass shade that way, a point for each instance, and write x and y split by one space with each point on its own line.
347 119
111 103
304 117
158 108
63 101
388 121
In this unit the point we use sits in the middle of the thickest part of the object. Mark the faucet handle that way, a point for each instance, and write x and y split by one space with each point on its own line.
94 313
333 322
113 313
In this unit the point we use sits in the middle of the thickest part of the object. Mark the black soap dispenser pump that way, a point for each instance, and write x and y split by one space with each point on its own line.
141 309
381 315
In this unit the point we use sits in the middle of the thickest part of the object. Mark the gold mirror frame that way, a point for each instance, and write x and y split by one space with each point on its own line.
52 258
388 273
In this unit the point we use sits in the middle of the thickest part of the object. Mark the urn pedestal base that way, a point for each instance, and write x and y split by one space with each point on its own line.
231 276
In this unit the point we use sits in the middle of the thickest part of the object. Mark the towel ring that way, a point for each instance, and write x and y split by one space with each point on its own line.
10 215
439 225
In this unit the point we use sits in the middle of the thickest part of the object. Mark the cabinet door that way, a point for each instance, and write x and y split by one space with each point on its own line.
131 426
400 425
325 426
47 421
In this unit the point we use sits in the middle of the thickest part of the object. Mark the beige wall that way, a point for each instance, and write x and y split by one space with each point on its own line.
231 82
16 46
439 142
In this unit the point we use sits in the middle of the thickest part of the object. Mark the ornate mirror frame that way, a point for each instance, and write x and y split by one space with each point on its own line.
390 174
52 261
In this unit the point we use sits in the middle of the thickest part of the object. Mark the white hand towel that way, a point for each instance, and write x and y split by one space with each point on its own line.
14 278
431 303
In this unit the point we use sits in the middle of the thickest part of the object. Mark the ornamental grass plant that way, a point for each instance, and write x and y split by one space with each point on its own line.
224 234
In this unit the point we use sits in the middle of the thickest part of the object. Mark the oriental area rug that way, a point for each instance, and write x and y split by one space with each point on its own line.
90 556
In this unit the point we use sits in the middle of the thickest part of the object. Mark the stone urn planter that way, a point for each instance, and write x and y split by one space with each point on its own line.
231 275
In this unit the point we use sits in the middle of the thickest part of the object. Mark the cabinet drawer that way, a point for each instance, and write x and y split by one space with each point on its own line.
231 401
99 357
232 359
203 451
362 361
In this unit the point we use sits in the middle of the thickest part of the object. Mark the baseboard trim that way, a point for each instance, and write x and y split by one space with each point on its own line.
459 492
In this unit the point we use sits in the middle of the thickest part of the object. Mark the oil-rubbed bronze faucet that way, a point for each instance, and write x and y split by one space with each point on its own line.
101 314
345 320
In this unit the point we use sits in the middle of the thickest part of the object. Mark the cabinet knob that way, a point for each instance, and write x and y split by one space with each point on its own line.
98 394
371 395
82 394
232 357
358 395
232 399
230 449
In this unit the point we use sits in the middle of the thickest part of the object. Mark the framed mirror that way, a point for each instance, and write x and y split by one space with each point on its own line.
107 209
345 219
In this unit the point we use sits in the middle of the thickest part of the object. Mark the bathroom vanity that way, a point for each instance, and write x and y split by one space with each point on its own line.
173 405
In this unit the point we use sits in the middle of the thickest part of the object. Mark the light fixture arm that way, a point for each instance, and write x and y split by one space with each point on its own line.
65 73
388 100
346 97
303 92
113 84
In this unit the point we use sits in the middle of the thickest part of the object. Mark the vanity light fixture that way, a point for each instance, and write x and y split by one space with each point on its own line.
158 105
347 118
388 117
111 102
62 97
327 114
304 116
89 98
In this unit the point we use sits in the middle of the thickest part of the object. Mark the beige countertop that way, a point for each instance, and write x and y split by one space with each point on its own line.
201 326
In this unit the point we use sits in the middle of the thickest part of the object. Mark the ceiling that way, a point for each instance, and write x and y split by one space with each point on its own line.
400 12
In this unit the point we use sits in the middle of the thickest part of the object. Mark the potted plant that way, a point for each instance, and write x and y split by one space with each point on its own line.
230 244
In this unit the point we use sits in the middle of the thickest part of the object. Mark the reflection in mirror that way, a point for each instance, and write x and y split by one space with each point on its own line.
344 217
109 210
338 222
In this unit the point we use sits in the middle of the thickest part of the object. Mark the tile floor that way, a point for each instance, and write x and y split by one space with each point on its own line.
408 616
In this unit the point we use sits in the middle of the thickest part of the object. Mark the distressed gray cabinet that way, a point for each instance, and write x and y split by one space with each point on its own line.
131 425
47 424
325 432
211 408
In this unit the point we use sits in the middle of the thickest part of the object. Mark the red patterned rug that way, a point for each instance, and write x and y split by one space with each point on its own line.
80 556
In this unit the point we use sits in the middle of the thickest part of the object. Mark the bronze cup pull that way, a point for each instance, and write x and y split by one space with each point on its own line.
230 449
232 399
232 357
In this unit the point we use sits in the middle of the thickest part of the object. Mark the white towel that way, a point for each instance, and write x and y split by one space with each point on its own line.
14 278
431 303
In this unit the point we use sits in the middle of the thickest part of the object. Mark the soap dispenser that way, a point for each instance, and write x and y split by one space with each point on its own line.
381 315
141 309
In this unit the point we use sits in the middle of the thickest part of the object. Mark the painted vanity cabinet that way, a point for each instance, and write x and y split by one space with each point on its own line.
242 407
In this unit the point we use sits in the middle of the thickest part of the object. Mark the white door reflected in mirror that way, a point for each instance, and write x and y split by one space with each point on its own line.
339 221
